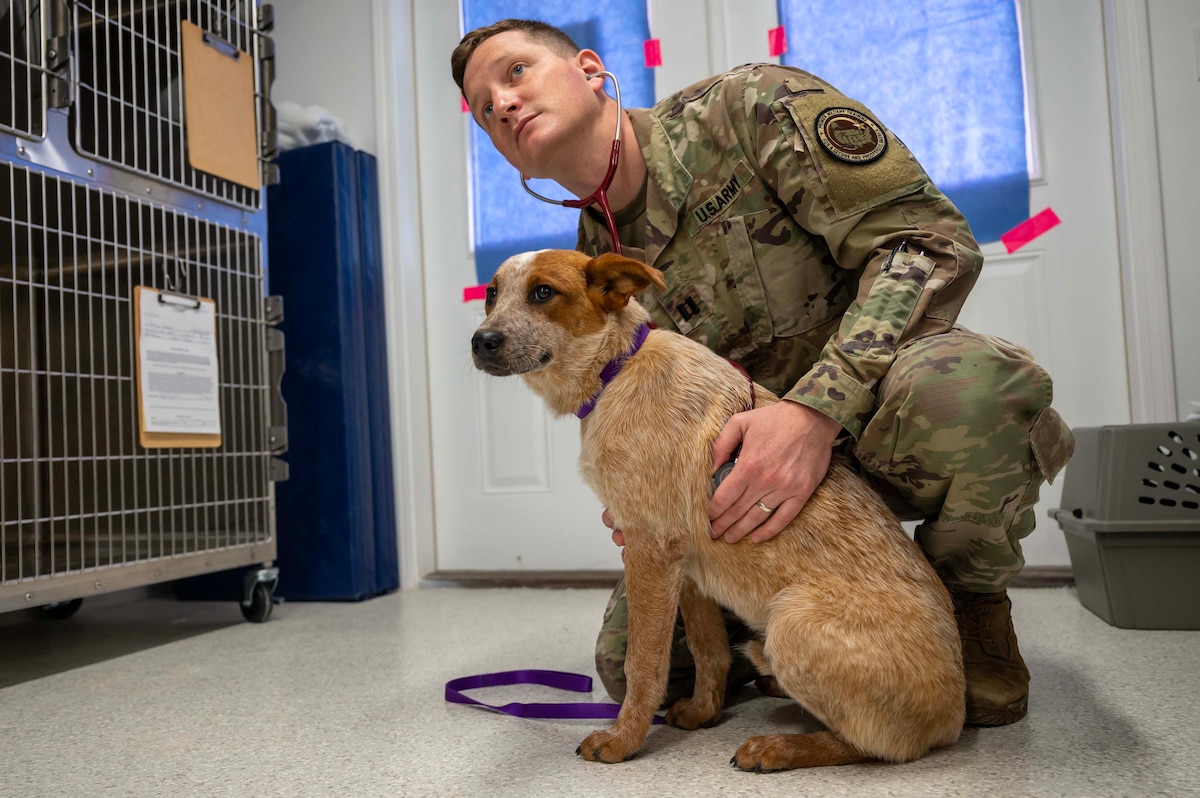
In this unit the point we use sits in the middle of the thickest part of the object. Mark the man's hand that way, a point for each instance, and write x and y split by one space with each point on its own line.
618 536
786 449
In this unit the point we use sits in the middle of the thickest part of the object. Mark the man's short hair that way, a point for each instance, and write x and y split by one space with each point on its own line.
540 32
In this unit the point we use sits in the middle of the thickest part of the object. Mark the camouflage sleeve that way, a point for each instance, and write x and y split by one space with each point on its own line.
586 239
845 178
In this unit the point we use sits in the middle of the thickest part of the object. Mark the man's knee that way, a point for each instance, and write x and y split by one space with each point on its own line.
966 380
958 404
965 433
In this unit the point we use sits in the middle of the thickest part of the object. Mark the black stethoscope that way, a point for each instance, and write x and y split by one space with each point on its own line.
600 195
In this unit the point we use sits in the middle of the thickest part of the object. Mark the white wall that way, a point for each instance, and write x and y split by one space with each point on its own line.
1175 61
324 56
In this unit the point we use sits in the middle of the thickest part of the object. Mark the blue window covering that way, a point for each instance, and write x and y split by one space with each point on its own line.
507 220
944 76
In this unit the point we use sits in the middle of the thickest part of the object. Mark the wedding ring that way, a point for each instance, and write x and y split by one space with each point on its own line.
765 508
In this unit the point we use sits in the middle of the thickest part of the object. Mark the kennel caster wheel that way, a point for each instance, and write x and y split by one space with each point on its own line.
61 610
259 594
261 604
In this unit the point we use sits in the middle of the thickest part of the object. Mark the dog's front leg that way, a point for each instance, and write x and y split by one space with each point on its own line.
652 581
709 645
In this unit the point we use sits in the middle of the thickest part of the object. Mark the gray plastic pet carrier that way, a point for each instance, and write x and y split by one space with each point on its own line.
1131 515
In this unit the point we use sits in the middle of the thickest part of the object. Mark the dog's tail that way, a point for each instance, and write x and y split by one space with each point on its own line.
753 649
766 682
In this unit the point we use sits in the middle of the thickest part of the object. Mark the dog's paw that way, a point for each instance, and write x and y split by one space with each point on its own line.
693 713
606 745
765 754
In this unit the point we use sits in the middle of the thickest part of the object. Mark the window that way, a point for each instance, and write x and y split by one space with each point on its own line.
945 76
506 220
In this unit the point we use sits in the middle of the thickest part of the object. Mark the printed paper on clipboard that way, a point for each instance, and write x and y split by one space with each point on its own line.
178 372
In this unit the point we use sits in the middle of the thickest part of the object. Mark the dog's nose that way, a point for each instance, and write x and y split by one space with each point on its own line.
486 343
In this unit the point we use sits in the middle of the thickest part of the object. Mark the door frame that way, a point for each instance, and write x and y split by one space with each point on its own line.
1139 218
403 258
1140 224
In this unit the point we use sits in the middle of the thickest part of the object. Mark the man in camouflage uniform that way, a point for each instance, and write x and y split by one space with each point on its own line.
799 238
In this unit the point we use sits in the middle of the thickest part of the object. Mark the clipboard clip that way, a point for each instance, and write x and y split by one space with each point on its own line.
173 293
178 300
172 277
221 46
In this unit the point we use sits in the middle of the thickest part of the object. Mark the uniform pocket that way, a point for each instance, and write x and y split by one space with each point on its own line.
802 286
1052 442
889 307
717 297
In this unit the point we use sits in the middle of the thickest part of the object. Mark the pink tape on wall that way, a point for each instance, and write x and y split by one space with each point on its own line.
474 292
777 41
652 48
1030 229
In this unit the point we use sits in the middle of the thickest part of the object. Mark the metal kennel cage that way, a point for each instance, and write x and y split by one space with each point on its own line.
92 205
23 71
128 67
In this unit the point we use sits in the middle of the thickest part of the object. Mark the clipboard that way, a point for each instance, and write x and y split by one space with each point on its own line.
218 103
164 440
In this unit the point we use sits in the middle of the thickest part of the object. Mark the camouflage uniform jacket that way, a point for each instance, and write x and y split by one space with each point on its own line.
776 208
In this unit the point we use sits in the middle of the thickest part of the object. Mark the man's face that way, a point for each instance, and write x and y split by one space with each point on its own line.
529 99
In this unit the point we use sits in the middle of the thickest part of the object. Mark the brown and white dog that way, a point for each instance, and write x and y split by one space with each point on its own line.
853 622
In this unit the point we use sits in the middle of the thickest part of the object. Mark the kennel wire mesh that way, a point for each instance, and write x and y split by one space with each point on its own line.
77 492
23 73
128 67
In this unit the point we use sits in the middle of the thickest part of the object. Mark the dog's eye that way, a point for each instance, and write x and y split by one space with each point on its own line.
491 295
542 293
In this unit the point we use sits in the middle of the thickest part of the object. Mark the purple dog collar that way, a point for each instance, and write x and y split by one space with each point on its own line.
613 368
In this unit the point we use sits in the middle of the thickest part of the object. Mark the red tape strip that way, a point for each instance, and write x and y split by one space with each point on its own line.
777 40
474 292
1030 229
652 48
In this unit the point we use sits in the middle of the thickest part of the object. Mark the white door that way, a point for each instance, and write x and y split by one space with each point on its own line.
507 494
1060 295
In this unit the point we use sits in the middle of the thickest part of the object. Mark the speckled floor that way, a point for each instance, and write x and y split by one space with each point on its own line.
153 697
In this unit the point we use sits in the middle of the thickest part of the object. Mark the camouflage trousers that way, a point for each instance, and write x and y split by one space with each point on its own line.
962 439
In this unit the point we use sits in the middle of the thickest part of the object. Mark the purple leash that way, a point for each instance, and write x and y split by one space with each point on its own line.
573 682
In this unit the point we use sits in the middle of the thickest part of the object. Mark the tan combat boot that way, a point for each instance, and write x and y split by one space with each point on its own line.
997 679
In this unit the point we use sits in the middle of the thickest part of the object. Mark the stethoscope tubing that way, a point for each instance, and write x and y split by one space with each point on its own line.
600 195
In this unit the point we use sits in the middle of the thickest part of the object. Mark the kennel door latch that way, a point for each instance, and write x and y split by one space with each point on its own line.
277 433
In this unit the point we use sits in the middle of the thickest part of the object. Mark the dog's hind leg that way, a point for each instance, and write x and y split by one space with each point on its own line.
709 645
786 751
835 655
653 582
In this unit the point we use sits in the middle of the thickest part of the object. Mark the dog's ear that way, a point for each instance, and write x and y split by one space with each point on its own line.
612 279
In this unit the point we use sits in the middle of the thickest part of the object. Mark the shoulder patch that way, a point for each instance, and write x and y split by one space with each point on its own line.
850 135
853 162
